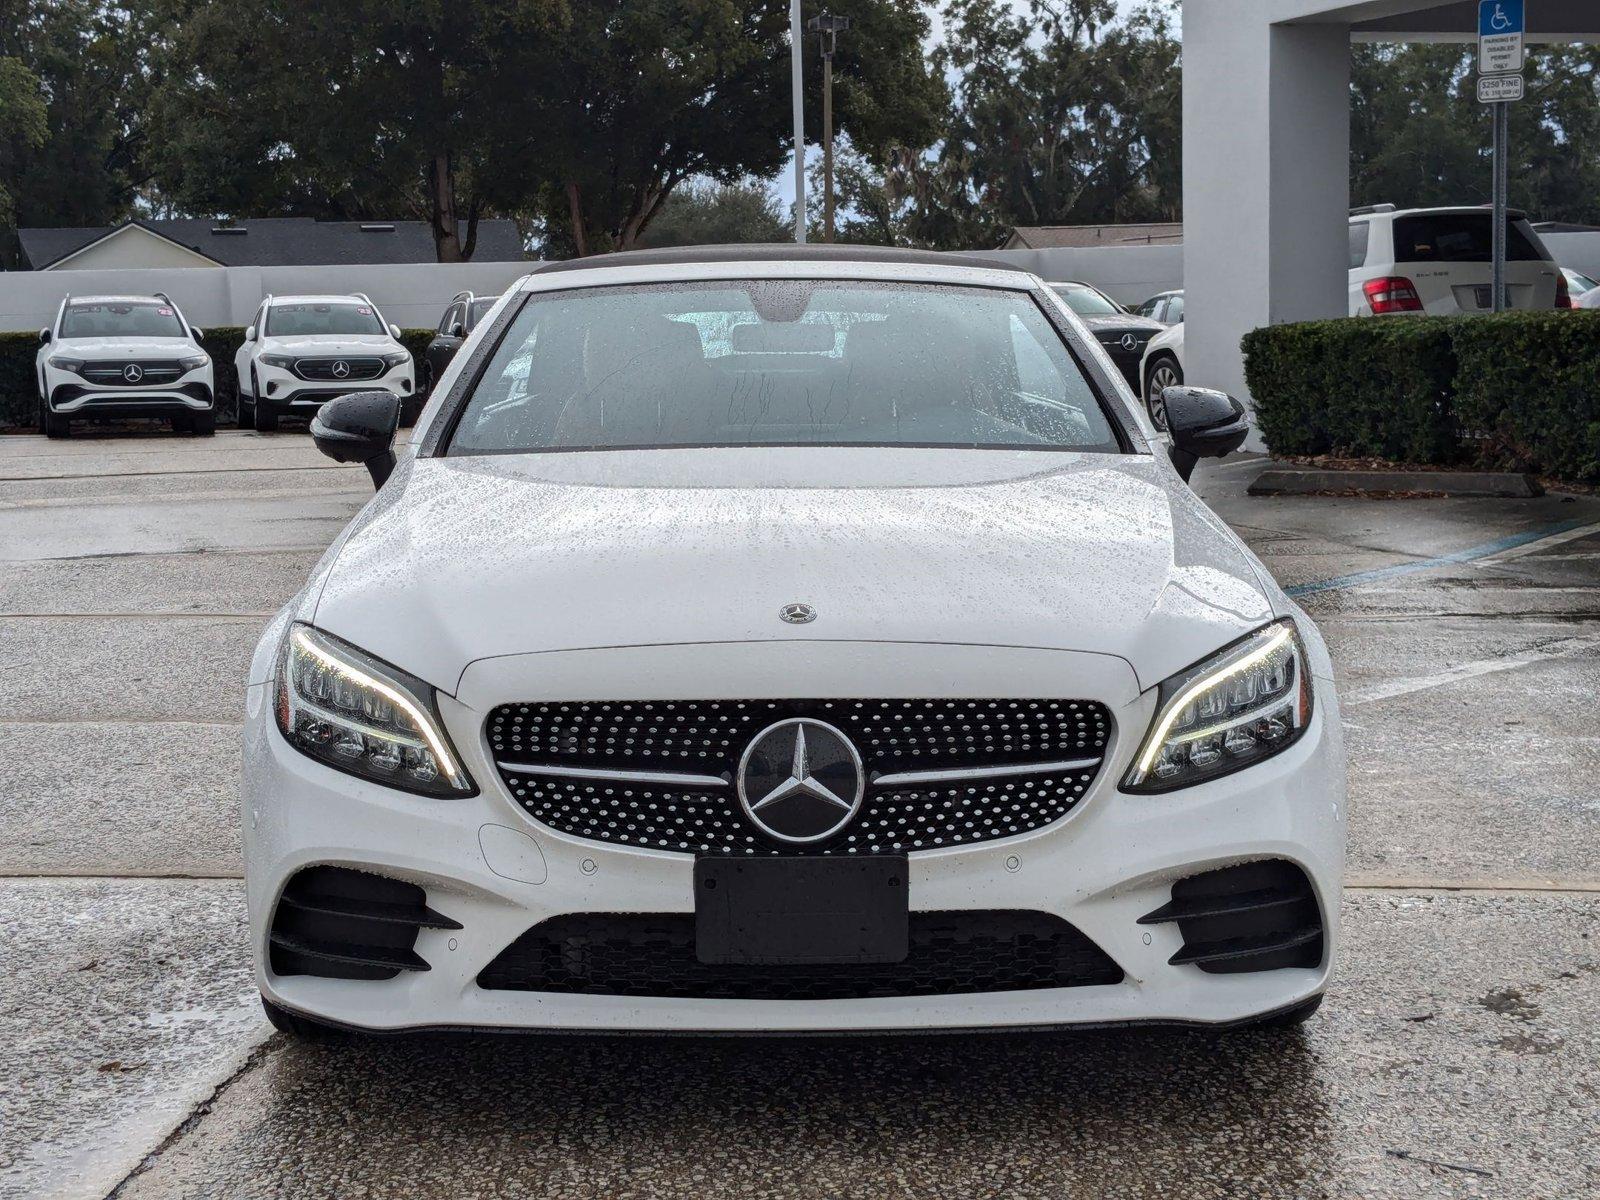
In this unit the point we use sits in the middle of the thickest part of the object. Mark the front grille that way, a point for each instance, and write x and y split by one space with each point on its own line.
324 369
1259 916
345 924
1113 344
1040 755
653 954
114 374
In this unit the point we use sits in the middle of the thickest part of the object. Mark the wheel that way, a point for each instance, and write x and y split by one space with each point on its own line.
204 424
1164 373
303 1029
1290 1017
265 420
56 425
247 412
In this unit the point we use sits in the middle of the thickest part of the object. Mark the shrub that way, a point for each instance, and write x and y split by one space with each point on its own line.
19 391
1531 382
1362 388
1524 386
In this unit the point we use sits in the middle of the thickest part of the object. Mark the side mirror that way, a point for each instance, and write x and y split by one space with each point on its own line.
394 332
44 336
457 331
250 334
1203 424
360 428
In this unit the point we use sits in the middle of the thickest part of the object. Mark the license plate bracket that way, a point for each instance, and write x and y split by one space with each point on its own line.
801 911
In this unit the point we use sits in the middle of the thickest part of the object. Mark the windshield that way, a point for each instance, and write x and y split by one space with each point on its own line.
121 318
1085 301
310 319
781 362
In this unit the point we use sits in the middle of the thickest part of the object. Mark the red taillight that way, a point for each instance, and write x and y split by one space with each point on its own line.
1392 294
1563 293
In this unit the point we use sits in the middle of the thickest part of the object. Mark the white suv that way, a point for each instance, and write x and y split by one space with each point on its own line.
302 351
123 356
1439 261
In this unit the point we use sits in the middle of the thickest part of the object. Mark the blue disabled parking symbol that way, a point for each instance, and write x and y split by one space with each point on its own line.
1499 17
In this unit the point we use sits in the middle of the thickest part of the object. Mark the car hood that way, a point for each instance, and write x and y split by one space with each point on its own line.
1123 323
460 559
331 343
114 347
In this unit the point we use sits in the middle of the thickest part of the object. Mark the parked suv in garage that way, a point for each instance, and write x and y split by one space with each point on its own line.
302 351
1440 261
123 356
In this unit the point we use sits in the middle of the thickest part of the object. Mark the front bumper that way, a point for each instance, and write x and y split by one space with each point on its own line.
284 392
189 394
1111 861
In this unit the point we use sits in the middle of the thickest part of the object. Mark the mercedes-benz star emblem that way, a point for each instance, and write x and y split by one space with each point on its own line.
133 372
341 369
1129 342
798 614
801 781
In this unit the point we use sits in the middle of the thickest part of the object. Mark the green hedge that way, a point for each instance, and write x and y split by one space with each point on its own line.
19 392
1518 390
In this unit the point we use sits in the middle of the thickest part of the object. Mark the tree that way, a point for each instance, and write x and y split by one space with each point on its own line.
1419 137
349 108
652 93
715 214
71 86
1064 113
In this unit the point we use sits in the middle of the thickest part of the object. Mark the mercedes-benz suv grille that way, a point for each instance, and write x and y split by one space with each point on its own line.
662 774
338 370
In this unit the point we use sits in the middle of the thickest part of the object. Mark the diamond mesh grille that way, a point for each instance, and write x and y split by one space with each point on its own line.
707 737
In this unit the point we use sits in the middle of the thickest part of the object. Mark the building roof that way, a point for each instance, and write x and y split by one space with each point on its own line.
280 241
1052 237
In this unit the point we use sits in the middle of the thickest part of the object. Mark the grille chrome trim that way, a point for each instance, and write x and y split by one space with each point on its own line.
670 778
962 774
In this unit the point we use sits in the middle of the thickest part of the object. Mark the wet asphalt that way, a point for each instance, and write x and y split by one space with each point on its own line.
1458 1053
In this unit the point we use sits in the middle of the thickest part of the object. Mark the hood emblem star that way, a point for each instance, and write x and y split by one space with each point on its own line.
798 614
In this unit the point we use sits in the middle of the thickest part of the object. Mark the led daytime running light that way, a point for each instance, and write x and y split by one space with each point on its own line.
1158 736
441 753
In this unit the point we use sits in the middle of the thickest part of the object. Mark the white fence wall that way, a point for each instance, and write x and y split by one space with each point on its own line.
1131 274
412 295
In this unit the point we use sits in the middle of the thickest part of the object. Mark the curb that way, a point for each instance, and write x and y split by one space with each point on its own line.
1306 481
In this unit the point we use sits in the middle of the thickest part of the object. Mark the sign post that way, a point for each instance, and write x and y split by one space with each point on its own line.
1501 28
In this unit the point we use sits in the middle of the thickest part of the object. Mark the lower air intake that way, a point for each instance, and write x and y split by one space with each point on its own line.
345 924
653 954
1260 916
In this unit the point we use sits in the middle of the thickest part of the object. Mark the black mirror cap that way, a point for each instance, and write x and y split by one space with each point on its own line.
44 336
458 330
1203 424
360 428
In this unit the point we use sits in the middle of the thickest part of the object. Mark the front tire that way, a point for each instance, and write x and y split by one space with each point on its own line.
1164 372
264 419
55 425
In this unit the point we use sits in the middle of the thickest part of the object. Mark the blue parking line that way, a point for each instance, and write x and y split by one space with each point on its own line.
1429 564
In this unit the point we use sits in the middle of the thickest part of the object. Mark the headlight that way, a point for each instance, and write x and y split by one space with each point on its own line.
194 362
356 714
70 365
1236 708
391 361
284 362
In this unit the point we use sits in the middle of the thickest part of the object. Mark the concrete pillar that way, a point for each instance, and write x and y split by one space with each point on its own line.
1266 188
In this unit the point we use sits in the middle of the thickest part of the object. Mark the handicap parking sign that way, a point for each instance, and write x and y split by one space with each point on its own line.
1501 24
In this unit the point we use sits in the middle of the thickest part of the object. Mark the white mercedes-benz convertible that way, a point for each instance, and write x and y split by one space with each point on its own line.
778 639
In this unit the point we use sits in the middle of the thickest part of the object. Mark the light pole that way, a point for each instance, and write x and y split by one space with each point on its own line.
827 27
796 84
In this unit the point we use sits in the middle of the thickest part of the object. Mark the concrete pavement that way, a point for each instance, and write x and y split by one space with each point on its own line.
1456 1055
